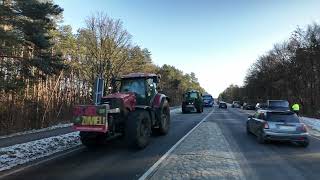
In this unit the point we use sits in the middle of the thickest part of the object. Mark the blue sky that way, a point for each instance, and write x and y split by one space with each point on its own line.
218 40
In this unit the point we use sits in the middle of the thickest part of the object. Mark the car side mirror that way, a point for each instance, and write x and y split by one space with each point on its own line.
250 116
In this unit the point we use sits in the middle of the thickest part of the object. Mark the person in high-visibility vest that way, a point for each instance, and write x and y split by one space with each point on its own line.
296 108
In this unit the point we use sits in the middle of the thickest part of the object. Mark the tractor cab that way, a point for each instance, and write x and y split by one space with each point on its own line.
143 85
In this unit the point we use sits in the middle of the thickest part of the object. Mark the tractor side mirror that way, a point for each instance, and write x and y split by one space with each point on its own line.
159 90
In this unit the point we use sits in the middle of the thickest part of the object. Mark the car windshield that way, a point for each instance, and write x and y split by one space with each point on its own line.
283 117
133 85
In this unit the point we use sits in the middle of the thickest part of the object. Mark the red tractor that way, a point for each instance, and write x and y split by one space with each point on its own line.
135 111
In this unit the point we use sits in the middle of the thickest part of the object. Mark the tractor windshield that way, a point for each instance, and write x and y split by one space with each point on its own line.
191 95
133 85
136 86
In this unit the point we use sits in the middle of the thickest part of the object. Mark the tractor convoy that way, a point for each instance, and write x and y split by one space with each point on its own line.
135 111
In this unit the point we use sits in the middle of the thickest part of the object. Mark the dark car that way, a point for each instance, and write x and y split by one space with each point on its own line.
271 125
208 100
236 104
248 106
192 100
223 105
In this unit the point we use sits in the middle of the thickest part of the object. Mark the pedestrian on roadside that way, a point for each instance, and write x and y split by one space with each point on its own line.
296 108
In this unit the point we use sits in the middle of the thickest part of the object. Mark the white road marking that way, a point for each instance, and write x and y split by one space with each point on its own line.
155 166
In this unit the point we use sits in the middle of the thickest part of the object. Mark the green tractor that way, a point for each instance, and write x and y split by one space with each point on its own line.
192 100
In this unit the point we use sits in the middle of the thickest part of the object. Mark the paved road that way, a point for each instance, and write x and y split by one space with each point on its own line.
270 161
114 161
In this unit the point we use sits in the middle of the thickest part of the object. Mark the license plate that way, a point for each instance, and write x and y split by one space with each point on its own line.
190 106
287 128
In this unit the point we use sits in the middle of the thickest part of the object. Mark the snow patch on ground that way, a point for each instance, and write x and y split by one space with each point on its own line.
312 123
175 111
37 130
22 153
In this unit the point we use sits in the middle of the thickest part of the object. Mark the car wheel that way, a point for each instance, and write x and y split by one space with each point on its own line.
260 138
304 144
248 129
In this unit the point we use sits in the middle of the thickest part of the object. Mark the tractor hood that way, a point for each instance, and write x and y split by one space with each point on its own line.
119 95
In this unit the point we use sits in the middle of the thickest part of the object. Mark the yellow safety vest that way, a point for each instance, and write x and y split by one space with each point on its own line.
296 107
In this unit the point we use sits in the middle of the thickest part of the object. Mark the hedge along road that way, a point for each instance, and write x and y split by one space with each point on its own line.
114 160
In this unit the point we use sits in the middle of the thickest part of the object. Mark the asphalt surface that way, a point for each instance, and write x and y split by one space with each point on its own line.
115 161
268 161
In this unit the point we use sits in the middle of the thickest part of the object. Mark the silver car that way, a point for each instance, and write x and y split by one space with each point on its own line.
271 125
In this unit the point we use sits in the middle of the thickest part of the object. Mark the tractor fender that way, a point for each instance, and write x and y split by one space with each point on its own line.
158 100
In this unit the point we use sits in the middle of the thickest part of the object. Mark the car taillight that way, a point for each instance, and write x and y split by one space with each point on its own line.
303 128
266 125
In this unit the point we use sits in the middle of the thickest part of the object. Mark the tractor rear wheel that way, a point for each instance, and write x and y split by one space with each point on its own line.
138 128
164 123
